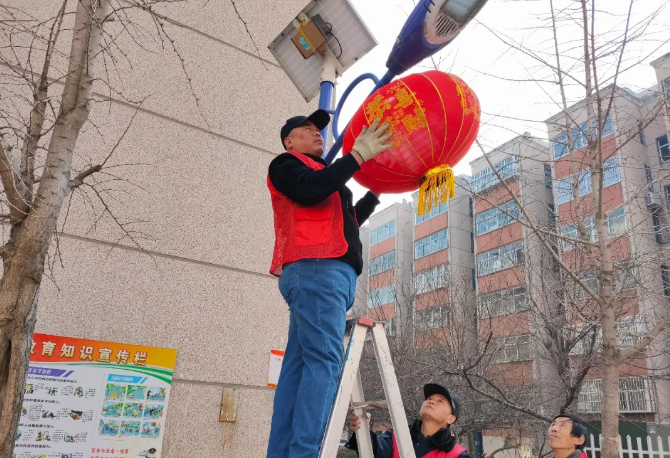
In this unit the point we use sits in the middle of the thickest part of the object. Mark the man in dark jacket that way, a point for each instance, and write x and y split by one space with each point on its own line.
318 257
431 433
567 436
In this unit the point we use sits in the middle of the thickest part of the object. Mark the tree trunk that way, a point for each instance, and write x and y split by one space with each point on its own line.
25 253
610 390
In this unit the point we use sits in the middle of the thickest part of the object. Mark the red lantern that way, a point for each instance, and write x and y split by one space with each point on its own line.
434 117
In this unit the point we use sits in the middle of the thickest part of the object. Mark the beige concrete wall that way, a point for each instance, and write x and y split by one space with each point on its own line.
194 276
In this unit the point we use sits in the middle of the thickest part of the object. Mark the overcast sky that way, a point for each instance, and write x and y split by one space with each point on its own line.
483 60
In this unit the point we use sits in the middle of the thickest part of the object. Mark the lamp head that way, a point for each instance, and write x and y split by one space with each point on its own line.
431 26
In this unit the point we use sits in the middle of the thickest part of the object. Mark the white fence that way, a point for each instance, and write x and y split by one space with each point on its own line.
634 448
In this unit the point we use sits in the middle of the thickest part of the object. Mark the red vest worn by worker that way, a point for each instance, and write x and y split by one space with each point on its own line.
315 232
457 450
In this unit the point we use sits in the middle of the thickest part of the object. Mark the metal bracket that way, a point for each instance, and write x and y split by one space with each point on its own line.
229 401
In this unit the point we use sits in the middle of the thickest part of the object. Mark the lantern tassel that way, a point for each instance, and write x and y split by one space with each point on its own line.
436 187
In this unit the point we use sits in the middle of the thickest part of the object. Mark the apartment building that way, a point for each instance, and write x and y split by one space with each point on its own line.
360 307
636 198
510 263
390 267
443 269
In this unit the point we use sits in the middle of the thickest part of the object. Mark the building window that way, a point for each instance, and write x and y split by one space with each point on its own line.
634 395
382 232
608 128
432 279
590 397
650 178
495 218
611 172
578 293
504 302
382 263
667 196
563 190
616 223
584 177
487 178
431 244
382 296
666 89
431 318
663 148
563 187
500 258
625 276
548 181
511 349
560 146
572 232
630 330
656 222
584 332
580 136
434 211
665 276
551 215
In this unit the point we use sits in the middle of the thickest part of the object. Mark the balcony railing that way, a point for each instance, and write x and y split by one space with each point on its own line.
507 168
635 396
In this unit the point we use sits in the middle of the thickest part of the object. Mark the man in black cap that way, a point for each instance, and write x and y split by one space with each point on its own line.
431 433
318 256
567 436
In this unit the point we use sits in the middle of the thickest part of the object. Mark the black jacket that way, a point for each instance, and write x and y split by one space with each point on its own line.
382 445
307 187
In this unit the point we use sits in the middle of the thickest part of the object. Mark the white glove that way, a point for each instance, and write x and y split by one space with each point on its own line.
372 141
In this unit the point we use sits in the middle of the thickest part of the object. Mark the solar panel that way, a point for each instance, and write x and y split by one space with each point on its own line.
348 27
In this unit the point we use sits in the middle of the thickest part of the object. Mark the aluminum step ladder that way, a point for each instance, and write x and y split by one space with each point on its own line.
350 393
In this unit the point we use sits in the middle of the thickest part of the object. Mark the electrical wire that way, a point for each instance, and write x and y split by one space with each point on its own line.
329 31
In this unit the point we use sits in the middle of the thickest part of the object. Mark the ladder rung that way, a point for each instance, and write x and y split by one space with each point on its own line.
370 405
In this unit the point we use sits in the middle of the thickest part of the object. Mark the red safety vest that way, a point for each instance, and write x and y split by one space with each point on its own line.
457 450
315 232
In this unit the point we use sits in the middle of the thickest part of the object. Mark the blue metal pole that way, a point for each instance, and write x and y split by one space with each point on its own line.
387 78
345 95
326 103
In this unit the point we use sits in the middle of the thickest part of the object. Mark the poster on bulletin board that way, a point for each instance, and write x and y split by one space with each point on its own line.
93 399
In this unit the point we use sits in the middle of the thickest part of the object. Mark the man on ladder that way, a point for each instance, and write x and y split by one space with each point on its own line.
431 433
318 256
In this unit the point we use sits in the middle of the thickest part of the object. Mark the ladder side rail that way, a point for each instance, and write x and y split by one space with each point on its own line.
363 434
392 392
340 406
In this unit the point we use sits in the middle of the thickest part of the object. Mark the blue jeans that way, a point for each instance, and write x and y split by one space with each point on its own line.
318 292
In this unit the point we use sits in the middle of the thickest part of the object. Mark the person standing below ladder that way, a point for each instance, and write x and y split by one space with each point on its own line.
567 436
317 257
431 433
